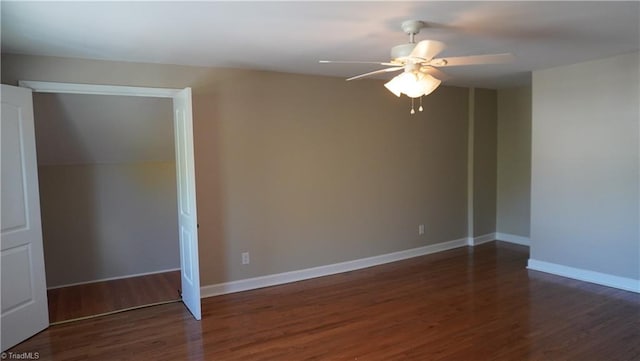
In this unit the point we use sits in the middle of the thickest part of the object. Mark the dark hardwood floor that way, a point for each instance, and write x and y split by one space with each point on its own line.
90 299
465 304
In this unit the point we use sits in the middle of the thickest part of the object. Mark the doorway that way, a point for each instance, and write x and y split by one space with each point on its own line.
108 200
184 171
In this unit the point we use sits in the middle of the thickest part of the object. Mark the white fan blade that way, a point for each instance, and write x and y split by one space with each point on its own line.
354 62
440 75
427 49
473 60
386 70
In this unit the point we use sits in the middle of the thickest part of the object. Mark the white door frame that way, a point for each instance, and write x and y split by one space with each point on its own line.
192 276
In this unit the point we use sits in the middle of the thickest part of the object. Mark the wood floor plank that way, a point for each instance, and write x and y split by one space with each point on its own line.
476 303
80 301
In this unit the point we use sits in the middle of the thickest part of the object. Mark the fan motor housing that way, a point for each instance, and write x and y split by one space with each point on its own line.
402 50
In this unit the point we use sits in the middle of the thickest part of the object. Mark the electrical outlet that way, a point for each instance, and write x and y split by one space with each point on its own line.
421 229
245 258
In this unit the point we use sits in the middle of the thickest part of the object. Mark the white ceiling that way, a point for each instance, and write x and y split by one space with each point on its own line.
293 36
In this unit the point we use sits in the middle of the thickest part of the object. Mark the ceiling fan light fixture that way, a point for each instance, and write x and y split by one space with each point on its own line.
413 85
395 85
409 84
428 83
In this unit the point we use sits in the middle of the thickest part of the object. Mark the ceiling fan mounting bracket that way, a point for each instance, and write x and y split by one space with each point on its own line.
413 27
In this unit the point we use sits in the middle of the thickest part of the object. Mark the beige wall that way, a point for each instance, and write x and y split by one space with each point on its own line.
303 171
514 161
586 166
108 220
484 158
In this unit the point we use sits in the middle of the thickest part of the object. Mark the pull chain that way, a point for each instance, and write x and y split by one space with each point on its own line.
412 110
420 109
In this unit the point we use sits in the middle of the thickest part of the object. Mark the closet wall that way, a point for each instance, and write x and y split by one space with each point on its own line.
107 186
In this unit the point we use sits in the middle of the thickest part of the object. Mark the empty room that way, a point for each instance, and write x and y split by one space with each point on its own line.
334 180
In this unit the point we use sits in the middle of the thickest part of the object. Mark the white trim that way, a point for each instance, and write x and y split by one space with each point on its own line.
305 274
512 238
485 238
623 283
75 88
114 278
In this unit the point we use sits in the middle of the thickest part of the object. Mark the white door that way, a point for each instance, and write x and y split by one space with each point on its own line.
24 290
187 216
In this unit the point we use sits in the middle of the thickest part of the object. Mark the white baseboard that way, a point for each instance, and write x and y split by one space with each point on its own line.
485 238
512 238
623 283
113 278
304 274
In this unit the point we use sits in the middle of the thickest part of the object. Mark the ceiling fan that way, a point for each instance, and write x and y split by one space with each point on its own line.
421 75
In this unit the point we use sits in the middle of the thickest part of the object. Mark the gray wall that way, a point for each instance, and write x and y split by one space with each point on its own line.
108 220
514 161
485 162
107 186
585 166
303 171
